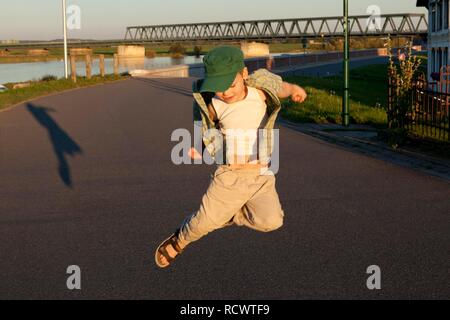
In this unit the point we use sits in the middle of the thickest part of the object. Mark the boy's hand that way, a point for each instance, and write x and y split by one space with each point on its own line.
298 94
194 154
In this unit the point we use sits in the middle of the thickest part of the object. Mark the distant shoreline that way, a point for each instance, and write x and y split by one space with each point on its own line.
29 59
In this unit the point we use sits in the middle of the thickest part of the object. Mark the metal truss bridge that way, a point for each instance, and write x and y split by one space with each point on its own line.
283 29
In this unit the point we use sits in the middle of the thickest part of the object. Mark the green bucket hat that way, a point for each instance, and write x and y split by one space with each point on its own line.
222 64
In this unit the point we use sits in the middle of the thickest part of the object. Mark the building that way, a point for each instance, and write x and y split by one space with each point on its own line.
438 34
9 41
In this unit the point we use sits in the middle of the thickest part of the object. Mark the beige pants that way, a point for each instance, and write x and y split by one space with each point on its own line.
243 196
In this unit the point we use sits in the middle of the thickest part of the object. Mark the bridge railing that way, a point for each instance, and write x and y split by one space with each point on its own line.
393 24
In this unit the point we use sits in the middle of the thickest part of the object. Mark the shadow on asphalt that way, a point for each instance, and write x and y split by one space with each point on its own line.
161 85
62 143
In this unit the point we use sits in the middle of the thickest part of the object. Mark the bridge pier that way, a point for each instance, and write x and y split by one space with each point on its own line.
255 49
131 51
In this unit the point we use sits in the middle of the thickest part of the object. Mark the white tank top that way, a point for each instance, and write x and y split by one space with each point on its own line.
239 123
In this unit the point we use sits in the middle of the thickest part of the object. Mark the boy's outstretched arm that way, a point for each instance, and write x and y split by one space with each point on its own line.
297 93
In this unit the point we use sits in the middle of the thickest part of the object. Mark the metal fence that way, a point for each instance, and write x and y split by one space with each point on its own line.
422 110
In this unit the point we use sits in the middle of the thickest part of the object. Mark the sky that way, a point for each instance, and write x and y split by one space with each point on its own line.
108 19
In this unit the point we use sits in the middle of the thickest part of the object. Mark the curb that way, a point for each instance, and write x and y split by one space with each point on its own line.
406 158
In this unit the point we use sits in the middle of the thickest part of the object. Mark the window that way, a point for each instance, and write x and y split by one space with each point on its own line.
432 60
439 15
433 20
445 8
437 61
445 57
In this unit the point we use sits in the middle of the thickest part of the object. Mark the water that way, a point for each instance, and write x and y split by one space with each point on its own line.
20 72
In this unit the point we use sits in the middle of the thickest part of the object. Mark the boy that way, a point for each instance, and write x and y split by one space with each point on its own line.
242 191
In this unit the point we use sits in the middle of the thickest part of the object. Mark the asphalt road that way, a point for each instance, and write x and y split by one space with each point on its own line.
86 179
333 68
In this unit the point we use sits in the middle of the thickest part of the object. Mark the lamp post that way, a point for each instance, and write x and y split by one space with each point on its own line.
345 96
66 69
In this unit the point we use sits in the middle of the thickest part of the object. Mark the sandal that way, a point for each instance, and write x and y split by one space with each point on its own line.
162 251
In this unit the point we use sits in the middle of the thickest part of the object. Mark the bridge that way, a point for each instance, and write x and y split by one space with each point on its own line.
408 24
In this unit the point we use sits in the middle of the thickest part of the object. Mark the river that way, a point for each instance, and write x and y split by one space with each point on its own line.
20 72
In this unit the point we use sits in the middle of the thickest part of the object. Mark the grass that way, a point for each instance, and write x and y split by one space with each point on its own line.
286 47
45 87
20 55
368 98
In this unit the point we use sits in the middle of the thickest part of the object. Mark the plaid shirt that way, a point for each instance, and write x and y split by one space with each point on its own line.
260 79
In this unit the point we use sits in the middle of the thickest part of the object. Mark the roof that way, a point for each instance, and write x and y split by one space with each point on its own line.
422 3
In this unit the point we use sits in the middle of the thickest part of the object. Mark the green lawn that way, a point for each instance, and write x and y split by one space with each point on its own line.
368 103
42 88
368 98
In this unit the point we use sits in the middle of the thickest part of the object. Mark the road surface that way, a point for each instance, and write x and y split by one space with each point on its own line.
86 179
